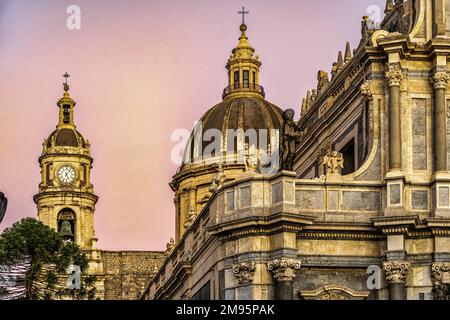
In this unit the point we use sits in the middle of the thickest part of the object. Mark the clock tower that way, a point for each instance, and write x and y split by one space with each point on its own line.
66 199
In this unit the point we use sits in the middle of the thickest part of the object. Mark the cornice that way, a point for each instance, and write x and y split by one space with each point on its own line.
57 193
267 225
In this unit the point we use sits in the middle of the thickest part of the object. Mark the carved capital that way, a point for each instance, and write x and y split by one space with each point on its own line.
366 90
283 270
439 80
394 76
438 270
244 271
396 271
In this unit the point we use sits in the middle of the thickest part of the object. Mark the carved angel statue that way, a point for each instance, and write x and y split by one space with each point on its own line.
290 136
3 204
334 162
219 180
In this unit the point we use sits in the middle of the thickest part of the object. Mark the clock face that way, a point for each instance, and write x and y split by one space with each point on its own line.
66 174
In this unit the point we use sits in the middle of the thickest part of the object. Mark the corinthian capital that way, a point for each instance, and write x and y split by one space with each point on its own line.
283 270
439 80
396 271
394 76
244 271
438 270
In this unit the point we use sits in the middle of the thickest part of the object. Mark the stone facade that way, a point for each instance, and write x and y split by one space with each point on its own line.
366 212
127 273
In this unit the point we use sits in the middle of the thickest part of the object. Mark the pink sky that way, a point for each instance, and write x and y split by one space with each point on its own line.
141 69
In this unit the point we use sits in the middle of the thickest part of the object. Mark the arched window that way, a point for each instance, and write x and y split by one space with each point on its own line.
66 224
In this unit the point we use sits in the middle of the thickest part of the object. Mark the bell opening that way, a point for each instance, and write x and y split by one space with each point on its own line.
66 224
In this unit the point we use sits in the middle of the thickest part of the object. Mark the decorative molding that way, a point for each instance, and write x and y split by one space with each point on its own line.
283 270
439 80
340 235
244 271
396 271
366 90
333 292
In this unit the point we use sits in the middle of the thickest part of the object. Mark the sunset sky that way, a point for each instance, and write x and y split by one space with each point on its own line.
140 70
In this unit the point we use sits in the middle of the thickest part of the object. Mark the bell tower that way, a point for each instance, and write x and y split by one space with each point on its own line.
66 199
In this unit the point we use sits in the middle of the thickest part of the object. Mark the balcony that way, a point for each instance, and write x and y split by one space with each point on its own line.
243 87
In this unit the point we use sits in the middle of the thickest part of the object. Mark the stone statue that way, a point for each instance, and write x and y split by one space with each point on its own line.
250 165
365 28
322 81
170 246
3 204
290 136
334 162
218 181
402 20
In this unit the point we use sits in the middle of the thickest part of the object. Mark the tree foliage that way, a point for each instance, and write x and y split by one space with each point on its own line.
47 257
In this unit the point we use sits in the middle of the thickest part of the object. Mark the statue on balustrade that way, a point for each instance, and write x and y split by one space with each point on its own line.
290 137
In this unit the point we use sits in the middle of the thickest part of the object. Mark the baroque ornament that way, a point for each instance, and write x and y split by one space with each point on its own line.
366 90
244 271
394 76
439 80
396 271
332 296
334 162
283 270
438 270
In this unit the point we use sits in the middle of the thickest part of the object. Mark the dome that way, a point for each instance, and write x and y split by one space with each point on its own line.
66 137
236 122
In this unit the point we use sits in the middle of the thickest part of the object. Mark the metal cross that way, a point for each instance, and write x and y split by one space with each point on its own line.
243 12
66 75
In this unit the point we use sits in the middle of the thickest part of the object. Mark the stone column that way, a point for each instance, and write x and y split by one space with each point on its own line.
396 273
394 77
439 81
283 272
192 214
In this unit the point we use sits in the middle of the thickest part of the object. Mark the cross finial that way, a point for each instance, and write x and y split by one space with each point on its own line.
67 76
66 85
243 12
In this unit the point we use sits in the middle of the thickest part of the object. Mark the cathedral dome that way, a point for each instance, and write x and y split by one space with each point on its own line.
244 125
235 138
235 119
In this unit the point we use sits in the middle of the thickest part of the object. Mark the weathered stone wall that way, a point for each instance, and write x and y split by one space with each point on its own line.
127 273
